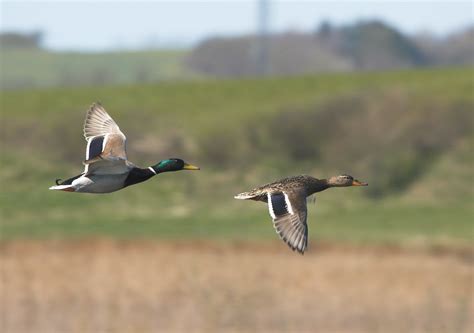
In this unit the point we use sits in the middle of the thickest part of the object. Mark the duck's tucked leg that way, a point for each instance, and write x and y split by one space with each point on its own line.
68 181
65 185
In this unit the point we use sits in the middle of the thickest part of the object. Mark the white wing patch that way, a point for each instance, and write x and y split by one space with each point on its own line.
270 206
288 204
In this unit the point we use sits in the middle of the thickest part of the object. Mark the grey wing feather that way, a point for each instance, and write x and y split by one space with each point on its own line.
288 211
99 123
106 144
108 167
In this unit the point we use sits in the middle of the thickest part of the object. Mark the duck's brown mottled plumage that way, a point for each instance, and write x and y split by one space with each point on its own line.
286 199
297 183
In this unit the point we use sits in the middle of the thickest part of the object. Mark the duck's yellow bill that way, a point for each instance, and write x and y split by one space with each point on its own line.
190 167
355 182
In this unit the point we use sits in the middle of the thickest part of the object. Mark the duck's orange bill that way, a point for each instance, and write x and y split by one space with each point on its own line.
355 182
190 167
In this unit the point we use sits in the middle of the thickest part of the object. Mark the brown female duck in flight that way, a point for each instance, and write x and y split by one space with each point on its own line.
286 201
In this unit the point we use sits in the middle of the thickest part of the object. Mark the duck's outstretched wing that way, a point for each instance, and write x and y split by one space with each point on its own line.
106 144
288 212
99 123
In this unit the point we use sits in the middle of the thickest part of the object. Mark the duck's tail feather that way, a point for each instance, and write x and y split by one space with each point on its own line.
243 196
67 188
252 195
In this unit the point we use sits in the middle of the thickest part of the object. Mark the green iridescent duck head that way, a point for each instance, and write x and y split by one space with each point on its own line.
173 164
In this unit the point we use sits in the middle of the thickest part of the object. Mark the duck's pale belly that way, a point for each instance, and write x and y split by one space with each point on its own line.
100 184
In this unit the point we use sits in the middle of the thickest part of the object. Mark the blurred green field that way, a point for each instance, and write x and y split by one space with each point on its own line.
38 68
408 133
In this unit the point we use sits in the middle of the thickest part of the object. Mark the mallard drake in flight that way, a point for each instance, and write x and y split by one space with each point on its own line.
106 166
286 201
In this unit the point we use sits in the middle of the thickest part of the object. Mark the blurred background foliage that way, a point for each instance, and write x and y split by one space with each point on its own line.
363 98
364 45
408 133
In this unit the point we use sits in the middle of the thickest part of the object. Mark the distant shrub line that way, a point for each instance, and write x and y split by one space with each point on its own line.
389 135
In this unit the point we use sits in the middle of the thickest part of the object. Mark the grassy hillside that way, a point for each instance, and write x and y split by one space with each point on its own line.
36 68
406 133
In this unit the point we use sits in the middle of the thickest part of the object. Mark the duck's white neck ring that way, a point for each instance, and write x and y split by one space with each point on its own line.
152 170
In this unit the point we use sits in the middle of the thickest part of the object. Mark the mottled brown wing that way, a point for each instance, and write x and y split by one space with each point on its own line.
288 211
